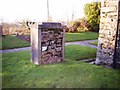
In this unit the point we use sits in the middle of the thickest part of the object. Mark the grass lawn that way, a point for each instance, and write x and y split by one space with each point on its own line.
9 42
81 36
94 43
18 72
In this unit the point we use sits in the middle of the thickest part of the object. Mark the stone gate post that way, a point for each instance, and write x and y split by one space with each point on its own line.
47 43
108 41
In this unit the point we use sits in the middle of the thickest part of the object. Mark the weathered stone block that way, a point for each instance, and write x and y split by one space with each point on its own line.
108 9
47 43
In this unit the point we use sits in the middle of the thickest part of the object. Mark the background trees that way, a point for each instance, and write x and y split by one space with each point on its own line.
92 12
20 28
91 20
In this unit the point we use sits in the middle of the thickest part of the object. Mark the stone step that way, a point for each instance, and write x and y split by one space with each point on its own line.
88 60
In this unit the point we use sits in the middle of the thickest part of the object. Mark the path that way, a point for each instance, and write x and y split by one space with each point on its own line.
82 43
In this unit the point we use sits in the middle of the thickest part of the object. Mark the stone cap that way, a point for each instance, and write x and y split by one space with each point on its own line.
50 25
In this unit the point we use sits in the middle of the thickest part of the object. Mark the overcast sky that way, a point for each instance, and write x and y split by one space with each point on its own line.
15 10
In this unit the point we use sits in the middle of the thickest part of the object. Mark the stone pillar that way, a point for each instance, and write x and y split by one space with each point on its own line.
35 43
47 43
108 32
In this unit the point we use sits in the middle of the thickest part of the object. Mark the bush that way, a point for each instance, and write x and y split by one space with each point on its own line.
14 29
80 25
92 12
66 28
73 26
5 29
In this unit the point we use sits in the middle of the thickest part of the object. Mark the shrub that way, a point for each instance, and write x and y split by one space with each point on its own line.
66 28
14 29
5 29
80 25
92 12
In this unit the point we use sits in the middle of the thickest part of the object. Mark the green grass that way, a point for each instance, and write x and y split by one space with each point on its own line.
9 42
81 36
94 43
18 72
75 52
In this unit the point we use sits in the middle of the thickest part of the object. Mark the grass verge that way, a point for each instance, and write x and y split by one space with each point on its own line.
10 42
70 37
18 72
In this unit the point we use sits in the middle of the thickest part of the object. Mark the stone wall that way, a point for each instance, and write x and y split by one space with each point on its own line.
47 43
107 33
